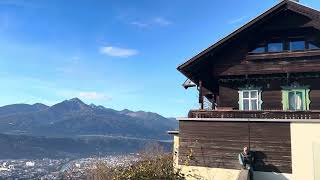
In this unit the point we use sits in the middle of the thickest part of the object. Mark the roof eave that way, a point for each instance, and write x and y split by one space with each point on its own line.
223 40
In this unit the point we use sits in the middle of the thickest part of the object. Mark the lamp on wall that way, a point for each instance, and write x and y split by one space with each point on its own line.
188 83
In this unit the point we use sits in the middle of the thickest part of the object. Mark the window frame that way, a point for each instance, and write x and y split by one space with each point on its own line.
296 88
242 98
264 50
286 46
311 42
295 41
275 42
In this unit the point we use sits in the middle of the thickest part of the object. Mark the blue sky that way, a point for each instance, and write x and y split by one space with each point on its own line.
116 53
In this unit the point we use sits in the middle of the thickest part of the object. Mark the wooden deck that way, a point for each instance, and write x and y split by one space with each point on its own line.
266 114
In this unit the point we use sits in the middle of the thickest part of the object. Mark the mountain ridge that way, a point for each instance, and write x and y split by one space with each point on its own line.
73 117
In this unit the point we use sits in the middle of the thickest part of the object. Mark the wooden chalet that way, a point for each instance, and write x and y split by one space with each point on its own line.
258 87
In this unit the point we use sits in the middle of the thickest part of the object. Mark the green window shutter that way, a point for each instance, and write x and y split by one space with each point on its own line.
303 91
260 100
307 95
305 98
285 100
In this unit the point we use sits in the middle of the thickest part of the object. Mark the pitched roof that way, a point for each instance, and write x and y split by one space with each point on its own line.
285 4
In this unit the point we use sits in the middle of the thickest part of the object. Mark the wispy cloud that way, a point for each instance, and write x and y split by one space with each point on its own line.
118 52
157 21
21 3
94 96
69 66
139 24
161 21
85 95
237 20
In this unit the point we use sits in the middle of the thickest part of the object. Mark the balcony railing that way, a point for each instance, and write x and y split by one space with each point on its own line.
265 114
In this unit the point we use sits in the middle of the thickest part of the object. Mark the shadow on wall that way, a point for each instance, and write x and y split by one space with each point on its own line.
259 164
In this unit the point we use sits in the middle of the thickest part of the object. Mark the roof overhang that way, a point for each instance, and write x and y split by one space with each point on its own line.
186 67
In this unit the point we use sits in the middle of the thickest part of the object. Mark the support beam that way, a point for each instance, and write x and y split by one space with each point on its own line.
201 94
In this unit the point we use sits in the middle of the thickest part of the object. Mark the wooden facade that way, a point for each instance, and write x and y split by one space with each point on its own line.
229 64
231 56
248 60
216 144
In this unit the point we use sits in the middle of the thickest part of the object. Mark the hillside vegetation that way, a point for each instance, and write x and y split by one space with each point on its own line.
154 164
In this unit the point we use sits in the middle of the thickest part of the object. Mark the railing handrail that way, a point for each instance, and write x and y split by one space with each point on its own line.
269 114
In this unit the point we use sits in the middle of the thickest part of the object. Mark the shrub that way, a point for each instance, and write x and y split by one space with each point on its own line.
153 164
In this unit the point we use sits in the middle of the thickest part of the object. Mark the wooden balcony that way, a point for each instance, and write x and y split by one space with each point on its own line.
265 114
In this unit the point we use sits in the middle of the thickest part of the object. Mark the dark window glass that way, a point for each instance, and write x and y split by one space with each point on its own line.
296 45
246 104
246 94
259 50
275 47
313 45
254 104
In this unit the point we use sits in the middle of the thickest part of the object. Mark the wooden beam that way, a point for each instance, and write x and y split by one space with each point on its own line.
200 94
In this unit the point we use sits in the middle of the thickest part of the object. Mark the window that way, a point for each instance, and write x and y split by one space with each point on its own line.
295 99
249 100
296 45
313 45
275 47
285 45
259 50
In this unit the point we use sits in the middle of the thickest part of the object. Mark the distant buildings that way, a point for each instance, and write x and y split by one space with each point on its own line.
29 164
11 167
6 167
3 169
55 169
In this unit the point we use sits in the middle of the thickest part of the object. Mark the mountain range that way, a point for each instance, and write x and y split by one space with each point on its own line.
73 117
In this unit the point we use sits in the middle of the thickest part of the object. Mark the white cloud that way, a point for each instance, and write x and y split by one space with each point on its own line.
161 21
157 21
118 52
237 20
94 96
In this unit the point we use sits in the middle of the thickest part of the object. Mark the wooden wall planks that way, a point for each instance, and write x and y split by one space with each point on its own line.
229 97
267 67
217 144
272 143
271 100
